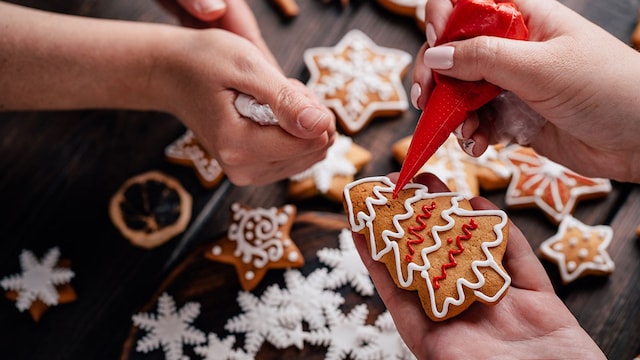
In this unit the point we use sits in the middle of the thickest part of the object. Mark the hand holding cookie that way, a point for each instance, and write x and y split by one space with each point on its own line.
529 315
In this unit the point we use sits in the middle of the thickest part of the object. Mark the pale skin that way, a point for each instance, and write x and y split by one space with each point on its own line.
529 322
577 76
60 62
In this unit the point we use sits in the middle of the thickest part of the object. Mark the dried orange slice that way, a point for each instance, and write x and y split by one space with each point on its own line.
150 209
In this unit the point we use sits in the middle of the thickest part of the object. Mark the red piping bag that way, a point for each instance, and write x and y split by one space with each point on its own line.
452 99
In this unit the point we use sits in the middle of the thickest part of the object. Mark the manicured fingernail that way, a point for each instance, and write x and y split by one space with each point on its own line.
439 57
310 117
431 35
416 91
468 146
458 131
207 6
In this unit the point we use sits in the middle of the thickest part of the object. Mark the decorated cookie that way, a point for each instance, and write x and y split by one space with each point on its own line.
433 243
187 151
412 8
41 284
257 240
150 209
329 176
358 80
448 164
579 249
492 170
540 182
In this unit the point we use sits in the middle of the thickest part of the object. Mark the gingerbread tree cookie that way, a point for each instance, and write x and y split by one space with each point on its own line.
257 240
433 243
358 80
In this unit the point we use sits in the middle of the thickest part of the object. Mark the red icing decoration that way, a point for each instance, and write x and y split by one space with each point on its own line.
413 230
472 225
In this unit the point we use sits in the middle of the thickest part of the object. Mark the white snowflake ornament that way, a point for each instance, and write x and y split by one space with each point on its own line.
38 280
346 265
170 329
217 349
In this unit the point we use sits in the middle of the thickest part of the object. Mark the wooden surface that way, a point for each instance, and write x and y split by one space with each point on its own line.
59 169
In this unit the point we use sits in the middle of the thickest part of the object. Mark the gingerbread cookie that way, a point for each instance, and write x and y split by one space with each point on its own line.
42 284
447 164
579 249
412 8
358 80
187 151
329 176
433 243
257 240
540 182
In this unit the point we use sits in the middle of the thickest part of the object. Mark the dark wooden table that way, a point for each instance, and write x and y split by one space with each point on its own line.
58 171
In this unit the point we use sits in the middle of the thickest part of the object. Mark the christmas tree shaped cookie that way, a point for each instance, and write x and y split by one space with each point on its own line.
433 243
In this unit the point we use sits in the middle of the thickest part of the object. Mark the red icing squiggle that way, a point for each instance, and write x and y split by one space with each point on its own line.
466 229
413 230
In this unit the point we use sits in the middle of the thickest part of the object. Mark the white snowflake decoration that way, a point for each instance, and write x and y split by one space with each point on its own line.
387 343
38 279
335 163
170 329
217 349
347 267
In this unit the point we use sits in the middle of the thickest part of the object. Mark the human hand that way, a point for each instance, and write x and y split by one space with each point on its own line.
572 73
236 17
529 321
200 80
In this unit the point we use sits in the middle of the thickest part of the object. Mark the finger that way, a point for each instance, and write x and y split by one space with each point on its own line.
433 183
437 14
205 10
422 81
519 260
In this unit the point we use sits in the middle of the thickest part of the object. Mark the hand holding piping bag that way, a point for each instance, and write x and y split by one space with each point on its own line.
452 99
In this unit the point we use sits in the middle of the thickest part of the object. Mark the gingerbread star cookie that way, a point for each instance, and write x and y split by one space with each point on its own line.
187 151
432 243
412 8
358 79
42 284
579 249
447 164
329 176
540 182
257 240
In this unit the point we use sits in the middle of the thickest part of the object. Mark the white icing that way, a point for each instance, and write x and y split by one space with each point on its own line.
334 164
546 177
361 220
570 270
366 70
256 233
38 279
216 250
250 108
186 148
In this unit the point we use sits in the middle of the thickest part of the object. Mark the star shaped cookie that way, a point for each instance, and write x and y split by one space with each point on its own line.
257 240
540 182
329 176
579 249
187 151
42 283
358 79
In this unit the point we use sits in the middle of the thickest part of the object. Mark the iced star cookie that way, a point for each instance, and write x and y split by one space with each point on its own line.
42 283
412 8
447 164
257 240
433 243
329 176
540 182
187 151
579 249
358 80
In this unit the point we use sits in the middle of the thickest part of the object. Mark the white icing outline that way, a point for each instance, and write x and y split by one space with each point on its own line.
533 164
360 220
187 148
393 61
569 222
